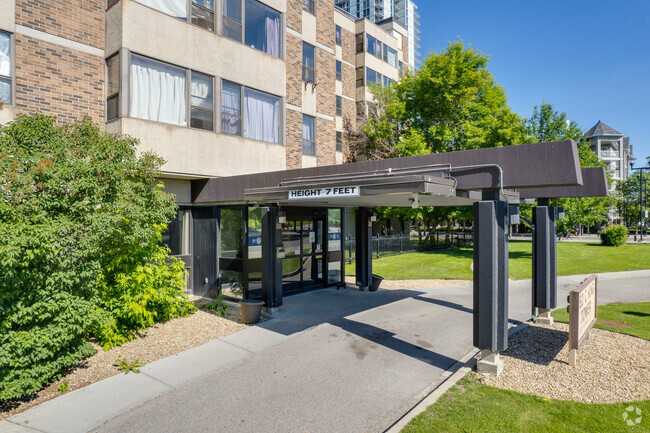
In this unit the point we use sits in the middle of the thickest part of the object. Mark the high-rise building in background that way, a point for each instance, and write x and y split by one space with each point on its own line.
403 11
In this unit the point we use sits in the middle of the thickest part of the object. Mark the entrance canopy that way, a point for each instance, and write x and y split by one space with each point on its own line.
444 179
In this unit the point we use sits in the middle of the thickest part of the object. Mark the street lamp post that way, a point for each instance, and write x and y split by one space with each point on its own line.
642 205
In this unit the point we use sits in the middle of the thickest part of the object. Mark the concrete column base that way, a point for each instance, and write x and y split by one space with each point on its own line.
269 312
490 363
544 317
364 289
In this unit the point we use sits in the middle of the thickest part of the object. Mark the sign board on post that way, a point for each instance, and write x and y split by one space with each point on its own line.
324 193
582 315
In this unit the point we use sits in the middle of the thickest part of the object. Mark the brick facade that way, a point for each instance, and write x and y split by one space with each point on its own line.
76 20
325 77
348 46
58 80
325 23
349 80
294 70
294 15
405 50
294 139
325 142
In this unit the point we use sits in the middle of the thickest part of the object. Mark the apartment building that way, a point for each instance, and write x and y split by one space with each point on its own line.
217 88
612 148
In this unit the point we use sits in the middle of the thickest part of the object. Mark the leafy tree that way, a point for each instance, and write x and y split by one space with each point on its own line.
547 124
81 218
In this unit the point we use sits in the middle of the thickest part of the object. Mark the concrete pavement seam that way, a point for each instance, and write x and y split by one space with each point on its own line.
23 426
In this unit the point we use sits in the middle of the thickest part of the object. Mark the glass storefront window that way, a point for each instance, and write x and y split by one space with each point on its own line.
177 235
232 252
254 262
334 243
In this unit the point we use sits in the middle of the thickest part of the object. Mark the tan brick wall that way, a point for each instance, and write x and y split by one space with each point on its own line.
348 46
294 70
294 15
349 80
58 80
78 20
326 78
405 50
349 111
294 139
325 142
325 23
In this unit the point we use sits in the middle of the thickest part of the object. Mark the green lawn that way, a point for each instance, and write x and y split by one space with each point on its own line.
472 407
454 263
633 319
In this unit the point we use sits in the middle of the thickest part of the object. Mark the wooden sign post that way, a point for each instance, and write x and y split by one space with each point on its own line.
582 315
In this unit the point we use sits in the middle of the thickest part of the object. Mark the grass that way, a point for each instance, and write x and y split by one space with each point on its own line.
454 263
634 318
472 407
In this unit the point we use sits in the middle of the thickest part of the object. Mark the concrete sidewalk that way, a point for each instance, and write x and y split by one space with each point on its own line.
329 361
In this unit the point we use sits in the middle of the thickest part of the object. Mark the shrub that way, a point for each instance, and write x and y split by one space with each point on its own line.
81 218
613 235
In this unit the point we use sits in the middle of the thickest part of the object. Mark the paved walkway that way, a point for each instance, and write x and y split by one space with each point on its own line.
330 361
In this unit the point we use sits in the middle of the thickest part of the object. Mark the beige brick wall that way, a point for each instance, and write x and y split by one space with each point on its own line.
348 46
77 20
325 142
325 23
294 70
349 80
58 80
405 50
294 15
294 139
325 77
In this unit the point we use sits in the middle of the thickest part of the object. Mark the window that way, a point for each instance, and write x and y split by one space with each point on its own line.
177 234
308 135
360 77
308 5
113 86
202 105
261 25
158 91
339 71
373 77
5 68
232 19
401 69
339 141
337 34
308 73
360 43
203 13
339 105
175 8
262 28
390 56
371 45
387 81
261 116
230 108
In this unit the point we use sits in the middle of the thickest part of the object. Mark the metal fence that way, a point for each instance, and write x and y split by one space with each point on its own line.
398 244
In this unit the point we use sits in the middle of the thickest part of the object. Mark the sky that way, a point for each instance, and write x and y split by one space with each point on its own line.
590 59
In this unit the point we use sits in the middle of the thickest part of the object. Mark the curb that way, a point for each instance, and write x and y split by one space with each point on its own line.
454 374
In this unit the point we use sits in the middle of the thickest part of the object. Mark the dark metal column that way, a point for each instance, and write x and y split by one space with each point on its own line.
490 280
544 255
271 264
364 248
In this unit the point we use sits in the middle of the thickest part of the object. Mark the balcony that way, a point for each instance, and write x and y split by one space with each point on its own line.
609 154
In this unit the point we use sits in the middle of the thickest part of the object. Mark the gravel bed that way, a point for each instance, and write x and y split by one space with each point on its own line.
611 367
159 341
414 284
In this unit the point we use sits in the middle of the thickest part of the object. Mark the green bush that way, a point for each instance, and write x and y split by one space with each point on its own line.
81 218
613 236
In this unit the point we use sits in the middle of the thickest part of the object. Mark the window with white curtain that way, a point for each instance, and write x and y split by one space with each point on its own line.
158 91
261 116
258 24
5 68
308 63
175 8
230 108
202 102
308 135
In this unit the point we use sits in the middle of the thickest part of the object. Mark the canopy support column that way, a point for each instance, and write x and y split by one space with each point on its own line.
271 264
544 261
490 281
363 253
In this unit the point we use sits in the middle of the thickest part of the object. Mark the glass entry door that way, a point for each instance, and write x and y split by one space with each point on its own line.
303 251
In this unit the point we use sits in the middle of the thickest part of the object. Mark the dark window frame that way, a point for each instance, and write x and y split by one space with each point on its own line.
310 142
197 108
338 35
115 96
339 70
308 74
339 105
242 26
230 115
309 6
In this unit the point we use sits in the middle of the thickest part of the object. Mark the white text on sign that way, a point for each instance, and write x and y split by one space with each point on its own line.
324 193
